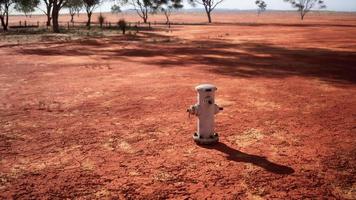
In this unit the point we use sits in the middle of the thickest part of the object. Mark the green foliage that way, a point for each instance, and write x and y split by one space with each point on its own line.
304 6
143 3
26 6
90 6
2 2
115 9
167 6
209 5
74 7
261 5
91 3
142 7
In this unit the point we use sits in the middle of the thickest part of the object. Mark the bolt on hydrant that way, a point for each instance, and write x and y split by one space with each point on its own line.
205 110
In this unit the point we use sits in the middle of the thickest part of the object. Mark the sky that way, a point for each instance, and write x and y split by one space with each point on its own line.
333 5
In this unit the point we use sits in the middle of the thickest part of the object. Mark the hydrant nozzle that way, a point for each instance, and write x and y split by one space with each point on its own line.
205 110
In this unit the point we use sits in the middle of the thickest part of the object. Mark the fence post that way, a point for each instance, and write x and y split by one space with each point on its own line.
25 23
20 24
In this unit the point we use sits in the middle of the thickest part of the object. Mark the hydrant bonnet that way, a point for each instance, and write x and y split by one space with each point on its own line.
206 88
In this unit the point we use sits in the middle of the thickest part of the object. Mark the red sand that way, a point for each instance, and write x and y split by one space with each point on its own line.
104 117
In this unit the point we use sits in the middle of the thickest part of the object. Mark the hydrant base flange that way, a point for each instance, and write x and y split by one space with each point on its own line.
210 140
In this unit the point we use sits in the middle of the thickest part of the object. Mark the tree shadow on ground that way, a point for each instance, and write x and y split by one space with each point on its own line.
311 25
250 60
244 59
238 156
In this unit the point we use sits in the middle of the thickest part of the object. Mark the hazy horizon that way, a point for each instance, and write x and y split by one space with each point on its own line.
332 5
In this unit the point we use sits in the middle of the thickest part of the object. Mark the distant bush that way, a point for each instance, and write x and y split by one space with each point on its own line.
101 20
122 25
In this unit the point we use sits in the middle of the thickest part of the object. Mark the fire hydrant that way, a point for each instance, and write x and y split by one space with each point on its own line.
205 110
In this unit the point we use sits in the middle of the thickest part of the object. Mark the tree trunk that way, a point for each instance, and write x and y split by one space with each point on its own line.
49 18
5 19
145 15
55 14
302 14
209 17
167 17
72 17
3 23
89 19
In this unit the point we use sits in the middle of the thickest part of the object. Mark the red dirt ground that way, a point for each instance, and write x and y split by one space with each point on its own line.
104 117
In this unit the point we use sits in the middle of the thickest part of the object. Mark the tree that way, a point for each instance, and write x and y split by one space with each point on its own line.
74 7
122 25
4 13
57 6
261 6
90 6
142 7
167 6
101 20
26 6
52 12
209 5
48 10
304 6
115 9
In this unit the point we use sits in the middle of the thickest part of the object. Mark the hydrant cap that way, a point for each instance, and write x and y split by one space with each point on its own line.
205 88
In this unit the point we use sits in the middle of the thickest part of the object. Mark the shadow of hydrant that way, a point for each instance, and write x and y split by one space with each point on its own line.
238 156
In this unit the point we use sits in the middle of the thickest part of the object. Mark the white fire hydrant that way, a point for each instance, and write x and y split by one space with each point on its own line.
205 110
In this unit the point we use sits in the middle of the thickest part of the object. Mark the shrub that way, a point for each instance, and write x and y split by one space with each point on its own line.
122 25
101 20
